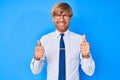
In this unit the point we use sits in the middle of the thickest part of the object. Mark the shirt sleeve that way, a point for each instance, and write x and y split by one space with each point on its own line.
87 65
37 65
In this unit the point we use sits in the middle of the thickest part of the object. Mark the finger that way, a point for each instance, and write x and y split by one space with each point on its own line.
39 43
84 38
39 48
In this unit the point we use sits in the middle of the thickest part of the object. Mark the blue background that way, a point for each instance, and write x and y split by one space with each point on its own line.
23 22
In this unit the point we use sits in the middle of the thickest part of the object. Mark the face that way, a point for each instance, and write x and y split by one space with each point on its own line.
61 22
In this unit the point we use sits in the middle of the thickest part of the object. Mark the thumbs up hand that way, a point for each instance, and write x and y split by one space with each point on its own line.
39 51
85 47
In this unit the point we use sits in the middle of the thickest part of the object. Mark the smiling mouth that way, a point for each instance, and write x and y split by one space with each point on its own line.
62 24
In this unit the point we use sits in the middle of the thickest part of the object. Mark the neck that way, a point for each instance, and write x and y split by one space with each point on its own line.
62 31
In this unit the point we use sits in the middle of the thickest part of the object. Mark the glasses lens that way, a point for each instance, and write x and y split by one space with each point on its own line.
57 16
64 16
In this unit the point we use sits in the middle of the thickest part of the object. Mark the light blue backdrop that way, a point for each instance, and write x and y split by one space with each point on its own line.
23 22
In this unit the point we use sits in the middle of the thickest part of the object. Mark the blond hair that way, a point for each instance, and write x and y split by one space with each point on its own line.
61 7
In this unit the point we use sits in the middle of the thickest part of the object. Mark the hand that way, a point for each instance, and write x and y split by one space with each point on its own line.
85 47
39 51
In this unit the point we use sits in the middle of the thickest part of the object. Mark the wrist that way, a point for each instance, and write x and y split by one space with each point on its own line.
36 58
86 56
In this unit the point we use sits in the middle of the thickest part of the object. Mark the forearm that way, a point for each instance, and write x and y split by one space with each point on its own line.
36 65
88 65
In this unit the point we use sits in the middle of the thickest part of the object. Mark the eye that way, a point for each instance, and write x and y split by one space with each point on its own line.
56 16
66 17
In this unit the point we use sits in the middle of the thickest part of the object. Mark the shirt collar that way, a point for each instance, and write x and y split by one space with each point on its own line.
57 33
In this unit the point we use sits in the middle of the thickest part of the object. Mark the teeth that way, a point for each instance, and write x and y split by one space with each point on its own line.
61 23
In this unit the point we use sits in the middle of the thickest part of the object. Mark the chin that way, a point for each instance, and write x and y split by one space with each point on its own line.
64 30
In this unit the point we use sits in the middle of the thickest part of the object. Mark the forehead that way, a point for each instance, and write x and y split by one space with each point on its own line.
62 12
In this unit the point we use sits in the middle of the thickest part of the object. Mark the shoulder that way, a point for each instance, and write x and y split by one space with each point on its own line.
73 34
46 38
75 37
49 35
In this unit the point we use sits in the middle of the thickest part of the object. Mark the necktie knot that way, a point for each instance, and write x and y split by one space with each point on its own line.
62 41
62 35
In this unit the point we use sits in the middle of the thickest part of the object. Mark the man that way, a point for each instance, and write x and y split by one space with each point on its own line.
63 50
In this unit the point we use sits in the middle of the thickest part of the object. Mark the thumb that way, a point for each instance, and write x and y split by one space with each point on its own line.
39 43
84 38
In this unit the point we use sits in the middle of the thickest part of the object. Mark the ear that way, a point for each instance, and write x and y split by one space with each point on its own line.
70 17
52 19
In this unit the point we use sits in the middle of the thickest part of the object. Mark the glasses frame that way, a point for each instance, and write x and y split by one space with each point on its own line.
66 17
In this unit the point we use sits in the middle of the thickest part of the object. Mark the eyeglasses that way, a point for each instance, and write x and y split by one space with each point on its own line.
66 17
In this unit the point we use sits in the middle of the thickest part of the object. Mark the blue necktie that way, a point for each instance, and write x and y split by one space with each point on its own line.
62 71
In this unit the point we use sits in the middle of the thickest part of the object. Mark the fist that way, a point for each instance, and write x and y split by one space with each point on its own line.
39 51
85 47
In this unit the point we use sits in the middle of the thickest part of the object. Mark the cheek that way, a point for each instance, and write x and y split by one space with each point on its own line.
68 21
55 22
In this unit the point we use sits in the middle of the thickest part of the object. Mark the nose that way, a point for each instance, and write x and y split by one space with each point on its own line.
61 17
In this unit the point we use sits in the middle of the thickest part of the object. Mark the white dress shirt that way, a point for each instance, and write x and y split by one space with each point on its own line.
73 56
